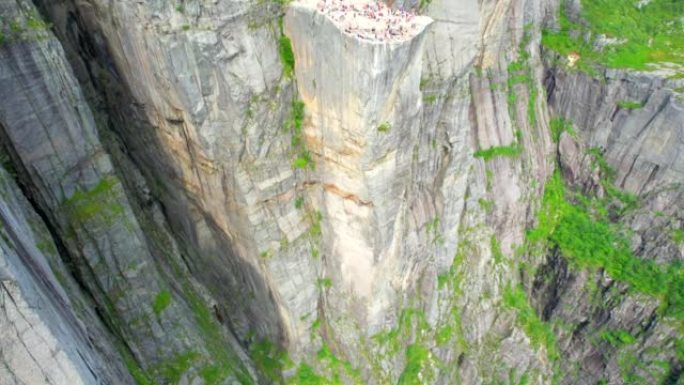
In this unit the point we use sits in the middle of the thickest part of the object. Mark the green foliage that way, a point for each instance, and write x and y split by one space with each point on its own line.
286 55
299 202
384 127
324 283
618 338
432 230
303 161
306 375
678 236
558 126
99 204
486 204
587 239
497 254
315 227
224 362
140 376
429 99
444 335
417 359
520 72
270 360
513 150
540 333
161 302
172 370
652 33
629 105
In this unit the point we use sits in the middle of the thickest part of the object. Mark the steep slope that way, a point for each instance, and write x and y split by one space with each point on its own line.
136 279
228 179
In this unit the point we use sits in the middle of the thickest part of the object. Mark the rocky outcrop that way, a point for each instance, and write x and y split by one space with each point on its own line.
634 120
362 107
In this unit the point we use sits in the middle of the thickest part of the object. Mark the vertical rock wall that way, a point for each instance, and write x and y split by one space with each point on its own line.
362 106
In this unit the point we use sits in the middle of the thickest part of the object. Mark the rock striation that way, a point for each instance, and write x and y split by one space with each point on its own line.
221 192
362 107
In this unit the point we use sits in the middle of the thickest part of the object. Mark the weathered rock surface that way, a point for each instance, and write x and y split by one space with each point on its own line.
376 234
138 282
45 339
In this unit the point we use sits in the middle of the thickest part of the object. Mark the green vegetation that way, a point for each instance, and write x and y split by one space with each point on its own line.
185 27
513 150
384 127
650 33
486 204
161 302
223 362
424 3
140 376
286 55
628 105
299 202
497 254
270 360
303 161
417 359
294 124
429 99
172 370
586 237
97 204
520 72
678 236
324 283
540 333
558 126
433 232
618 338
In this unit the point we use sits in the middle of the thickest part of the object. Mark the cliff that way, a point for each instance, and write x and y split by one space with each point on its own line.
222 192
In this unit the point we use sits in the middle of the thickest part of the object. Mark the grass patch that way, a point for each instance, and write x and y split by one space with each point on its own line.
384 127
539 333
172 371
486 204
417 359
512 151
224 362
652 33
161 302
324 283
286 55
558 126
678 236
97 204
628 105
270 360
303 161
618 338
497 254
585 236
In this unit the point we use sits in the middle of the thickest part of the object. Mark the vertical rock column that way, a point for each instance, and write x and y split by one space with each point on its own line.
363 105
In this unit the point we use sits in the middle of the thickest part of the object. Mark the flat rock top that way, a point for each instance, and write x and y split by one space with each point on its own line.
371 20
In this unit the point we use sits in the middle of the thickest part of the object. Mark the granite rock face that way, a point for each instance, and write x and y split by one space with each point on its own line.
45 339
225 181
50 135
